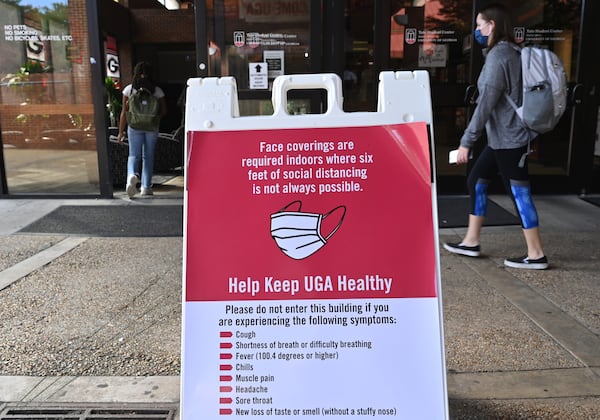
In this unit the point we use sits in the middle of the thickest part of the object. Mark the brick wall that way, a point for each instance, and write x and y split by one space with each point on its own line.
157 26
81 51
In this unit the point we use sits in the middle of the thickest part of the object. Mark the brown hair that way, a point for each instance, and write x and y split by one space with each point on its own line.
503 29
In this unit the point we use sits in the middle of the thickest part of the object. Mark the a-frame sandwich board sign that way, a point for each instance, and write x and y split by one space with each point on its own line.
311 259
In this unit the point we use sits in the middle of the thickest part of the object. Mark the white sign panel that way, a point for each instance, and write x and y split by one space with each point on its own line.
275 60
301 300
112 66
433 55
259 75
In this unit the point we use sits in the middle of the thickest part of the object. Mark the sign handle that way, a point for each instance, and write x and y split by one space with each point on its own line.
329 82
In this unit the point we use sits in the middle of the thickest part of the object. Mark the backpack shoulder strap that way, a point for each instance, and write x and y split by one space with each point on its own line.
512 103
516 108
506 95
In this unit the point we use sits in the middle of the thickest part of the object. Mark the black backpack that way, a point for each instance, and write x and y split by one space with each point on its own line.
143 110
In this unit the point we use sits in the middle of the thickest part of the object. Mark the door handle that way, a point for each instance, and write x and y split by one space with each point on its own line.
577 94
470 95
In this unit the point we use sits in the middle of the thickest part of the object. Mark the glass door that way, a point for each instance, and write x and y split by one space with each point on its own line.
410 35
256 41
436 35
555 25
292 37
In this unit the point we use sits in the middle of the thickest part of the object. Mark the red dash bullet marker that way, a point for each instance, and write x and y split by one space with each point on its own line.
225 400
225 388
226 345
225 411
225 367
225 334
225 378
226 356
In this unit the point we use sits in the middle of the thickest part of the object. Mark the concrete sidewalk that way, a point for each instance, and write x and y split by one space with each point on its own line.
97 320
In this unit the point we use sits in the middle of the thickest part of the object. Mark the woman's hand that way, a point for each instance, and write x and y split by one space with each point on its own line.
123 119
463 155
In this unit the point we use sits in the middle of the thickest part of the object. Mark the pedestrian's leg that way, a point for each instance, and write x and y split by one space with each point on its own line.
516 179
150 141
477 183
478 199
521 192
135 140
473 235
534 243
535 258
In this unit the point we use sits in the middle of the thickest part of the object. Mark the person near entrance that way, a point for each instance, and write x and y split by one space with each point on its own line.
142 140
508 140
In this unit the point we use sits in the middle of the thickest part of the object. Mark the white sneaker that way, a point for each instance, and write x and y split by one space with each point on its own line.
147 191
131 185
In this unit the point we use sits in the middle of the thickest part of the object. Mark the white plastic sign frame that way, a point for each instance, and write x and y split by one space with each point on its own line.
311 257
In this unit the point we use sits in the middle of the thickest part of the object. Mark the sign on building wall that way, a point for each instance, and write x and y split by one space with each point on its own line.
258 75
112 58
312 281
275 61
271 11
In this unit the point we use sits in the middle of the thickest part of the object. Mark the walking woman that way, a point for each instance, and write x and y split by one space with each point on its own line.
508 140
142 141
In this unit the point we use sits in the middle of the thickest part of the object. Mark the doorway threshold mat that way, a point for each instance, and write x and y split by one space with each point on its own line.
453 212
111 221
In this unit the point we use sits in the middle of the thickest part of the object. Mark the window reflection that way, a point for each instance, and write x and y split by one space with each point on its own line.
436 35
46 112
258 41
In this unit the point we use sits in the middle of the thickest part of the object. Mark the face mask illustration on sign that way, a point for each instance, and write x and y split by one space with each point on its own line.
297 233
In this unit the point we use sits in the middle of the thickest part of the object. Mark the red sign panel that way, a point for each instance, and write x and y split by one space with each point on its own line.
310 214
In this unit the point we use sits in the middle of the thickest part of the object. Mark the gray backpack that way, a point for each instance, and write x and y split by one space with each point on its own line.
544 89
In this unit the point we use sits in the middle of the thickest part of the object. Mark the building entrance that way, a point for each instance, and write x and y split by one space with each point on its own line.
49 117
357 39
